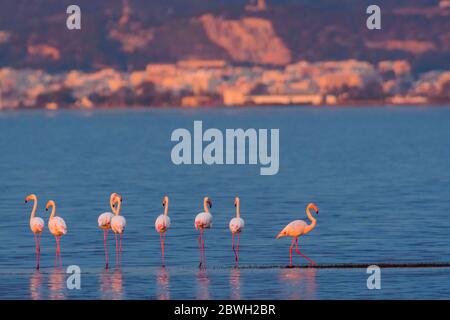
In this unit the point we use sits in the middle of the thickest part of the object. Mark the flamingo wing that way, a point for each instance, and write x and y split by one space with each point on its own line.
104 220
293 229
57 226
203 220
162 223
236 225
37 225
118 224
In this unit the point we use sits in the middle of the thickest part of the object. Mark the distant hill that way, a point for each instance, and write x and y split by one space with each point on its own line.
127 35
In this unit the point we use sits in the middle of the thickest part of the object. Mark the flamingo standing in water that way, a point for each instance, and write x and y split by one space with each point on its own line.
118 224
299 228
162 224
57 227
36 226
236 226
104 223
203 220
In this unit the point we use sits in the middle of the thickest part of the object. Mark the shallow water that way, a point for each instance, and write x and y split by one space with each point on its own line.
380 177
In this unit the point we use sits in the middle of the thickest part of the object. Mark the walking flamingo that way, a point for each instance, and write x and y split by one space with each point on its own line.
203 220
36 226
162 224
104 223
299 228
236 226
118 224
57 227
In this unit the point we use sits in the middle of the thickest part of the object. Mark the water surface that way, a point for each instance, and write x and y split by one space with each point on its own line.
380 177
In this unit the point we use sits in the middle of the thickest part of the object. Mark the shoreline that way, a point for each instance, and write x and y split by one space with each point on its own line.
352 104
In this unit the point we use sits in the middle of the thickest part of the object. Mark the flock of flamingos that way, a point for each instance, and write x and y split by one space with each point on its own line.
115 222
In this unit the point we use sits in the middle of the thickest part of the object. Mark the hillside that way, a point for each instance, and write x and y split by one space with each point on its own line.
128 35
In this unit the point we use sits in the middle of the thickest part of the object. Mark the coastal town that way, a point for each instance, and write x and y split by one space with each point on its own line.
250 53
192 83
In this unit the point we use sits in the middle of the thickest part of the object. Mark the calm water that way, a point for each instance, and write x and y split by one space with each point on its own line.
380 176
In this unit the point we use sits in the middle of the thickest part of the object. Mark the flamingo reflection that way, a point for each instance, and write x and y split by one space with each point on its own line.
203 284
162 284
36 280
111 284
235 284
299 283
56 284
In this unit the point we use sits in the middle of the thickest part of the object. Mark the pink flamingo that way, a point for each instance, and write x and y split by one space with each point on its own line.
236 226
36 226
104 223
203 220
118 224
299 228
162 224
57 227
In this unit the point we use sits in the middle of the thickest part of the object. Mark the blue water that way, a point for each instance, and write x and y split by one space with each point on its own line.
380 176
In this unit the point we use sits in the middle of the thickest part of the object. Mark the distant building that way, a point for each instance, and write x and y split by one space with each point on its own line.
126 11
445 4
259 6
197 64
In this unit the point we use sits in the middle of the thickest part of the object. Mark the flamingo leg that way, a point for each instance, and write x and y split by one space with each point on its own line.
117 249
200 248
105 234
58 252
120 249
201 242
237 248
298 252
233 247
203 249
290 252
37 251
162 237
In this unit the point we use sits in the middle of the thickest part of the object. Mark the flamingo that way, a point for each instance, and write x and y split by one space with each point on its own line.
57 227
104 223
162 224
118 224
36 226
236 226
203 220
299 228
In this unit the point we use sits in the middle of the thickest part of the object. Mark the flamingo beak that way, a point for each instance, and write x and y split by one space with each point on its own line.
210 203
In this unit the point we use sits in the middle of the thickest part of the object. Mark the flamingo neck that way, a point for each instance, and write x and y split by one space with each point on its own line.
166 208
205 206
311 218
111 204
117 210
53 211
238 210
33 212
